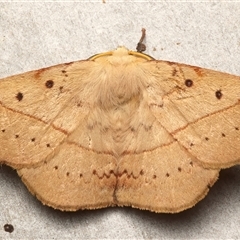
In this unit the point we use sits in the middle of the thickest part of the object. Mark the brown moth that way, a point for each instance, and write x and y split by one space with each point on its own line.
120 129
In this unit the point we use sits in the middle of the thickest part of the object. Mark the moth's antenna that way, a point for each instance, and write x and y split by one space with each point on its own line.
141 46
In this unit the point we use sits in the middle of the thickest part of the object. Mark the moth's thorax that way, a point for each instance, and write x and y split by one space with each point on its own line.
118 77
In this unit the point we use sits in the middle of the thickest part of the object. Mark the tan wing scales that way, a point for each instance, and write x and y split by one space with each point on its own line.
202 112
74 178
166 179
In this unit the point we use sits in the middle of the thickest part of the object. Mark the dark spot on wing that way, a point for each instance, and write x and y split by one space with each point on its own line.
61 89
188 82
218 94
174 72
19 96
49 83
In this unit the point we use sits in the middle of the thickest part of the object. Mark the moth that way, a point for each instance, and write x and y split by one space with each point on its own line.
120 129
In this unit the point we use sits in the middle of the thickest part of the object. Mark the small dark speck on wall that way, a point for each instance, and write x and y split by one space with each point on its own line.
8 228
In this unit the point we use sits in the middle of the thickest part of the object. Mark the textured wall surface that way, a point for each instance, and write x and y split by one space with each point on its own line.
36 35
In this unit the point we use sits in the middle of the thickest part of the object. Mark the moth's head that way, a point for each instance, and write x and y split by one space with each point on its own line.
121 55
